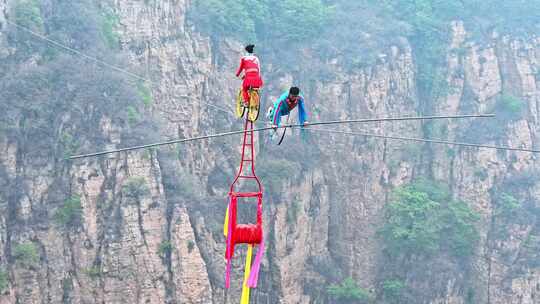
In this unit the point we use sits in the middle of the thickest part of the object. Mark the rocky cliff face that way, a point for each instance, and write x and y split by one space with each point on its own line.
164 245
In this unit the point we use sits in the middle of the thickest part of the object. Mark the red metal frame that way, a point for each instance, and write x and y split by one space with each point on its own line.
244 233
251 234
248 133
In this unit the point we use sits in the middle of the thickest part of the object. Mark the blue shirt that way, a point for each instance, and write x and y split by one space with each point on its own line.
281 108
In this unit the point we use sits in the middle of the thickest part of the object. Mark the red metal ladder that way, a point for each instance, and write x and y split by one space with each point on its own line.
251 234
248 143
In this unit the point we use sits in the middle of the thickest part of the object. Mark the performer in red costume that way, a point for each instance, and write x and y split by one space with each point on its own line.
250 65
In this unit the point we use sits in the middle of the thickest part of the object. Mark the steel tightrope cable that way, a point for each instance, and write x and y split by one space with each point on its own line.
426 140
131 74
365 120
95 59
76 52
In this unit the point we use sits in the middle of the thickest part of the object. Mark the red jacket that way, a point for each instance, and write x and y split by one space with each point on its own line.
251 67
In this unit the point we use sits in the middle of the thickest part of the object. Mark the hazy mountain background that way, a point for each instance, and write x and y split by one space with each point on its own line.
348 219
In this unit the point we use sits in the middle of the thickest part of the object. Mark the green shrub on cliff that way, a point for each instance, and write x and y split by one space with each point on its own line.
26 254
69 215
289 20
28 14
135 188
4 280
423 219
348 292
392 290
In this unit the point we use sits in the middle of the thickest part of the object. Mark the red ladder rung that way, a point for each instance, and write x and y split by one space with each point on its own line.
246 194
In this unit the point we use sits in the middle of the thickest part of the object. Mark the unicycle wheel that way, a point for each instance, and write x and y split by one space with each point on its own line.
279 134
240 109
254 105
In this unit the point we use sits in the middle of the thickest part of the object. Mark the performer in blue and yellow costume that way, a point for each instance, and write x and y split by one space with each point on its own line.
285 104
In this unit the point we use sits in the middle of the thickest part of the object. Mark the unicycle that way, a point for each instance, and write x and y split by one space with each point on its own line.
254 105
279 133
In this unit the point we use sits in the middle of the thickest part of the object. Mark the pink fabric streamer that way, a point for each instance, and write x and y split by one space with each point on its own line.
254 276
228 250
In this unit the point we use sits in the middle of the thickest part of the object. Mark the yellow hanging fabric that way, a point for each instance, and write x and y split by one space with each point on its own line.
226 223
247 270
